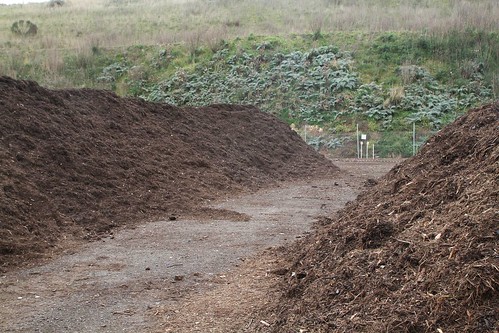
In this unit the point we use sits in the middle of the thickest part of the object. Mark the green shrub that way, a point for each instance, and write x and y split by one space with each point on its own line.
395 144
24 28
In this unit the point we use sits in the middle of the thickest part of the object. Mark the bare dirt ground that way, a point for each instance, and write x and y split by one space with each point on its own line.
185 275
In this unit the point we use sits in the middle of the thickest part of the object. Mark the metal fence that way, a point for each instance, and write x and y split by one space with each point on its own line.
365 143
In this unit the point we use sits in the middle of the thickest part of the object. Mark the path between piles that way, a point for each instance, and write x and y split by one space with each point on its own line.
158 276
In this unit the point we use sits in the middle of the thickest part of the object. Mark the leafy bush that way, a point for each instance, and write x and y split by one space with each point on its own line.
113 72
309 85
321 85
24 28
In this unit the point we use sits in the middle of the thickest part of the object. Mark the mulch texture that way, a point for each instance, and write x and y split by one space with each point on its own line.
416 252
77 163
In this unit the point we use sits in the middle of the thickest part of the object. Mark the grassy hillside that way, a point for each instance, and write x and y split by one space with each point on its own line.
330 63
70 38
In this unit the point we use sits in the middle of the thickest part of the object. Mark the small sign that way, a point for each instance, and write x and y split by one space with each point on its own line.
363 136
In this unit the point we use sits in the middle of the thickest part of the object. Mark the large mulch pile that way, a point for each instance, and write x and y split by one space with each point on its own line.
80 162
416 252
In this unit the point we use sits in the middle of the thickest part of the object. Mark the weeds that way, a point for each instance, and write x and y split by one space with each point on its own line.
117 24
318 86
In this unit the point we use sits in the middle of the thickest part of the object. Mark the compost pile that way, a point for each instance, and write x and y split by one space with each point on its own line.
80 162
416 252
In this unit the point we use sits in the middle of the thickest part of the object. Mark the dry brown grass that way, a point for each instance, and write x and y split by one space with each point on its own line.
149 22
80 26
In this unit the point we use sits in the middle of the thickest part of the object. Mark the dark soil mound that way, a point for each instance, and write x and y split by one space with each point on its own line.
417 252
84 161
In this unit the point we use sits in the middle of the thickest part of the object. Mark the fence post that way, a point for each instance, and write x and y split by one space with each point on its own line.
358 155
413 138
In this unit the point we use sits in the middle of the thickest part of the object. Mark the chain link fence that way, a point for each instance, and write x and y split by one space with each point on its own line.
365 143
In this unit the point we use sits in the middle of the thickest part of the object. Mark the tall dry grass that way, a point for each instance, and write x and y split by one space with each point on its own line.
79 27
121 23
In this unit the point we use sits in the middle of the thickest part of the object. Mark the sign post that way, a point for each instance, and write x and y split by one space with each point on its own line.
363 137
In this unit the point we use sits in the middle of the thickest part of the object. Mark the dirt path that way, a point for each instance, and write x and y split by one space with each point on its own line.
164 269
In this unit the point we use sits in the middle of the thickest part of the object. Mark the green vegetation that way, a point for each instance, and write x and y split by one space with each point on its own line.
24 28
382 64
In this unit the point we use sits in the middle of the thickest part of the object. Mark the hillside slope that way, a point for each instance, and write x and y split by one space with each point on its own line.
83 161
417 252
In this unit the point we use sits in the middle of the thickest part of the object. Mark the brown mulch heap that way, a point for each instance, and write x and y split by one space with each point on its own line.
417 252
80 162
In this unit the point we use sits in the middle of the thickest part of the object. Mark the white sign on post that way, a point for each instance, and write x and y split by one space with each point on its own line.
363 136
